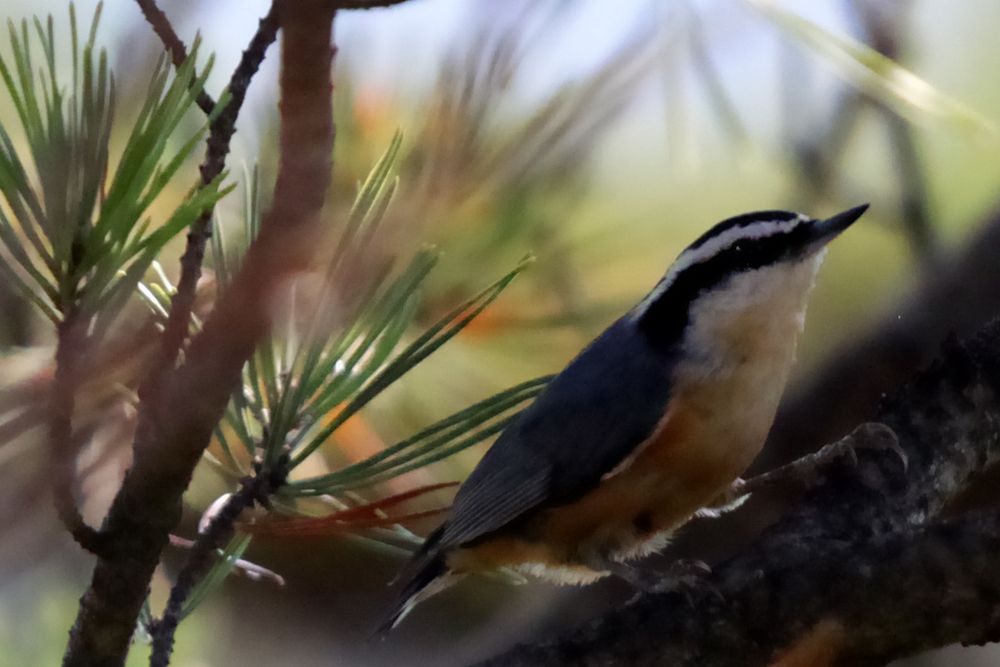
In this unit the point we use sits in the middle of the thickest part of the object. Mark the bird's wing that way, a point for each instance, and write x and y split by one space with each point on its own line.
590 417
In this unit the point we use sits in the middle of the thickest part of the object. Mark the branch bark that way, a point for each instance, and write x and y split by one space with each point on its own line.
864 568
253 489
217 149
70 343
180 424
161 25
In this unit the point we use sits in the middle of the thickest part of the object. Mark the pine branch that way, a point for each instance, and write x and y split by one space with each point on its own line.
71 339
158 20
178 428
217 149
255 489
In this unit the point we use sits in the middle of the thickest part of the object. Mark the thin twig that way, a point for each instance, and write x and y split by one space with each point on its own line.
241 566
173 44
62 445
220 134
255 489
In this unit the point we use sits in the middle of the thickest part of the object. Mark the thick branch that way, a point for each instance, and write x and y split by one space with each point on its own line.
887 597
864 548
194 397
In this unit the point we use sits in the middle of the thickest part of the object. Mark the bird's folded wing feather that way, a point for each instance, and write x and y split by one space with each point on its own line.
589 419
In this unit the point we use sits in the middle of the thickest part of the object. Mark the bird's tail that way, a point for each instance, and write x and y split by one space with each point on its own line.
426 574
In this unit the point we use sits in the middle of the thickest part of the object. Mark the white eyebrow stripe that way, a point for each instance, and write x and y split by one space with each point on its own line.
711 248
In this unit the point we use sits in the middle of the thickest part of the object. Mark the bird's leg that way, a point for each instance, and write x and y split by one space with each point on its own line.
871 435
727 501
683 575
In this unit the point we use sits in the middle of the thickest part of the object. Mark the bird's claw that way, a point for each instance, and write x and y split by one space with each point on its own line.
688 577
878 437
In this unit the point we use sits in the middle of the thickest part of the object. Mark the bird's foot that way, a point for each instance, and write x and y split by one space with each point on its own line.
685 576
870 435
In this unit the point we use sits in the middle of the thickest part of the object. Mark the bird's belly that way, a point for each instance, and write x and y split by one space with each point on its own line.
708 437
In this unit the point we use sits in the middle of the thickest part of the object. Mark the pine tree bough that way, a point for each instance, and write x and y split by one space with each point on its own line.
866 568
193 397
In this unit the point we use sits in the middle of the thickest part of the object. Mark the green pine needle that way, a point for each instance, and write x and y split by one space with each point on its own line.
76 239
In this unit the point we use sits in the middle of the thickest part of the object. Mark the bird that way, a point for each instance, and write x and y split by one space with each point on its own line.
652 423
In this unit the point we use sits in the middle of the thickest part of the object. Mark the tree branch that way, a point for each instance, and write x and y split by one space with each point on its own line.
167 448
884 598
71 339
864 553
255 489
217 149
173 44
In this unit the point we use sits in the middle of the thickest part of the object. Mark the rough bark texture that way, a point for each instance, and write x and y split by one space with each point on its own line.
167 449
867 552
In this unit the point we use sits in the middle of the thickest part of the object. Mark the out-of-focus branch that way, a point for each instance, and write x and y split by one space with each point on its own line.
194 396
71 339
881 26
862 571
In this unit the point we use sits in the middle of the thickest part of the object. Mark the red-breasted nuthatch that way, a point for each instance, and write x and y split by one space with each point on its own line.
650 423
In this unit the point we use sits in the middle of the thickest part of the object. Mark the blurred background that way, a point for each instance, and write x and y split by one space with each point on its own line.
601 137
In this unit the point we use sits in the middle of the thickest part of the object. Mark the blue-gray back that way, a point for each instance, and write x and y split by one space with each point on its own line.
589 418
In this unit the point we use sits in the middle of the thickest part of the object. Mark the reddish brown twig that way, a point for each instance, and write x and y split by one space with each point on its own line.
62 444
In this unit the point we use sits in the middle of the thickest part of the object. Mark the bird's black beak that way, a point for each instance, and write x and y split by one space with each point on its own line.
825 230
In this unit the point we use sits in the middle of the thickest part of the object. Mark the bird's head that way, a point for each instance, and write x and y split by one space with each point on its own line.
758 266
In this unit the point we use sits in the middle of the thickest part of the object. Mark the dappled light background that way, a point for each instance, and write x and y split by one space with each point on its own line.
601 139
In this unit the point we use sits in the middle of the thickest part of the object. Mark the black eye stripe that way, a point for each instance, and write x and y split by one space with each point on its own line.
666 317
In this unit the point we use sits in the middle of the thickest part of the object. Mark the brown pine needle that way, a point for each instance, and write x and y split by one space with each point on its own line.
370 515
